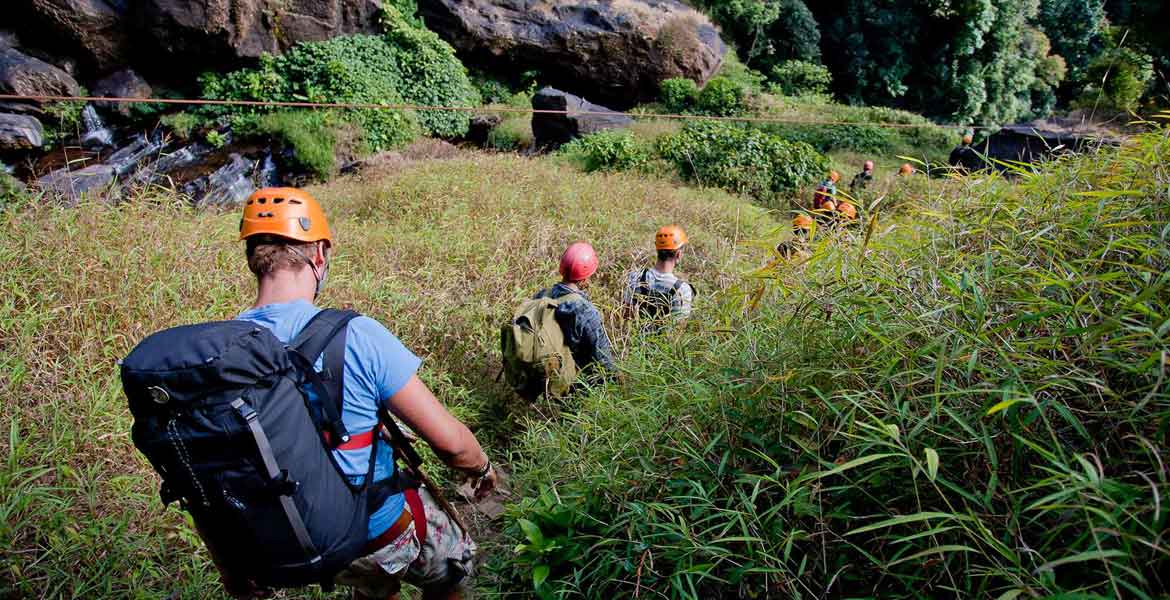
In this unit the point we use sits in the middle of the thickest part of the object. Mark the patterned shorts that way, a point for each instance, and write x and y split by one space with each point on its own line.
443 560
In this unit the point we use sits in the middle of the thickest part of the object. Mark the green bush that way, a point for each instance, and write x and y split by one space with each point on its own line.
970 403
798 78
742 159
513 134
62 121
182 124
829 138
678 94
607 151
311 135
1116 80
406 65
721 97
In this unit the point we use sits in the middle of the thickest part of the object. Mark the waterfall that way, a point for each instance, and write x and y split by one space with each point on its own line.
268 176
96 134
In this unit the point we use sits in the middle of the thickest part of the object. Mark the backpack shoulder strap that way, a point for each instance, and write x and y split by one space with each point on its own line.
324 336
566 298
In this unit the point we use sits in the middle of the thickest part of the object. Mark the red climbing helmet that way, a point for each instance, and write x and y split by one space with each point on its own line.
578 262
869 165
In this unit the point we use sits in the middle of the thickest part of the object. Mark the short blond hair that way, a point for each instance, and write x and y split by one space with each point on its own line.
268 254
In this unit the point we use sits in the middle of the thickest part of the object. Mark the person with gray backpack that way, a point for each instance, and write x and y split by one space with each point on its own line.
276 431
557 336
658 294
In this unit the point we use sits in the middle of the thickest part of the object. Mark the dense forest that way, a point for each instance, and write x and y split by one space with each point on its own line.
967 61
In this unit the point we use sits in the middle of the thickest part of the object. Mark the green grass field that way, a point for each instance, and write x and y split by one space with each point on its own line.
964 395
440 252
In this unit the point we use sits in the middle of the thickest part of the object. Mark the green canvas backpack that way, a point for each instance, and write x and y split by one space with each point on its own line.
536 359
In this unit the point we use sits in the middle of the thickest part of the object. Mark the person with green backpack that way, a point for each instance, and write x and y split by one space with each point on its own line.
558 335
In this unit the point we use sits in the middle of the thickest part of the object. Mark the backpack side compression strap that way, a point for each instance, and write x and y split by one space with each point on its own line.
313 341
275 474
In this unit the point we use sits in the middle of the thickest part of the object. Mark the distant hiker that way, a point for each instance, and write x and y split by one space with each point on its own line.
269 430
657 293
862 180
558 335
824 197
795 247
906 169
964 158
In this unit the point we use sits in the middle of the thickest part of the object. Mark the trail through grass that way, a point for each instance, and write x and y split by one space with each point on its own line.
439 252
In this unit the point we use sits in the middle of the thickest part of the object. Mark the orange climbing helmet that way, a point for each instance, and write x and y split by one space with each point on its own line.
802 223
578 262
967 139
906 169
670 237
847 209
289 213
834 176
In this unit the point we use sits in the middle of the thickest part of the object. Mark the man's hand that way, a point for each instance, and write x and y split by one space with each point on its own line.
483 485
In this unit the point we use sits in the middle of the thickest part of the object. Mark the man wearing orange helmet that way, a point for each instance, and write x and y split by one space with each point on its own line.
825 194
409 537
658 292
579 319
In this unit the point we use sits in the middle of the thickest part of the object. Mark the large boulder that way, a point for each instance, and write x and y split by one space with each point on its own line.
582 117
69 187
221 32
24 75
93 29
616 52
20 132
125 83
228 187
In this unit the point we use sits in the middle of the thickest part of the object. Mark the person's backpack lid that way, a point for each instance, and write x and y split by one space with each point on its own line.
186 363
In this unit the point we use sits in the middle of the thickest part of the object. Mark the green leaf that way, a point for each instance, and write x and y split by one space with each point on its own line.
914 518
1004 405
945 548
539 574
532 532
857 462
931 463
1082 557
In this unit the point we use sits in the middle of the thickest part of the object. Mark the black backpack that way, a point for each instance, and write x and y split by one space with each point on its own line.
221 412
652 303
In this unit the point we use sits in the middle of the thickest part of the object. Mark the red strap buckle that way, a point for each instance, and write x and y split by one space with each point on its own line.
356 441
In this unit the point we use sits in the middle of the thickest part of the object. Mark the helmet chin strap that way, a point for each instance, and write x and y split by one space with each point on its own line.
319 275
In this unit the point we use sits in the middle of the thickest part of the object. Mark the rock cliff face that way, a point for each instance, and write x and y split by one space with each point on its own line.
613 51
157 35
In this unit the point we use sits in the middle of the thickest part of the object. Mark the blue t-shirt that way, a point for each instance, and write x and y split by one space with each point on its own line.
377 365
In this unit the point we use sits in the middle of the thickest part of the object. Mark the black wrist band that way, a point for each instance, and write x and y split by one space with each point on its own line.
487 467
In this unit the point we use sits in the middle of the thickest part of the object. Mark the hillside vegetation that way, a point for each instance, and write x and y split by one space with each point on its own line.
968 397
438 251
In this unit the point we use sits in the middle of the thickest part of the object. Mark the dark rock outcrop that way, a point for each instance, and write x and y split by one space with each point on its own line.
70 186
93 30
121 84
24 75
551 130
20 132
616 52
219 32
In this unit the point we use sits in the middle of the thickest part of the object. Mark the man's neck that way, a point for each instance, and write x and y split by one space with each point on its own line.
664 266
571 286
286 286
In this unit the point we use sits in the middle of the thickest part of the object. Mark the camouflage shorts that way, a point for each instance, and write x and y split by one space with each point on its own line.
443 560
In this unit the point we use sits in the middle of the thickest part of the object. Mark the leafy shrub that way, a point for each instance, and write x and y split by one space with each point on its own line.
797 78
62 121
742 159
721 97
311 135
607 151
11 190
678 94
406 65
828 138
1116 80
182 124
513 134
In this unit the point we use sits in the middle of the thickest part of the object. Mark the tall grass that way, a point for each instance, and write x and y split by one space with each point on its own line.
439 252
968 398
